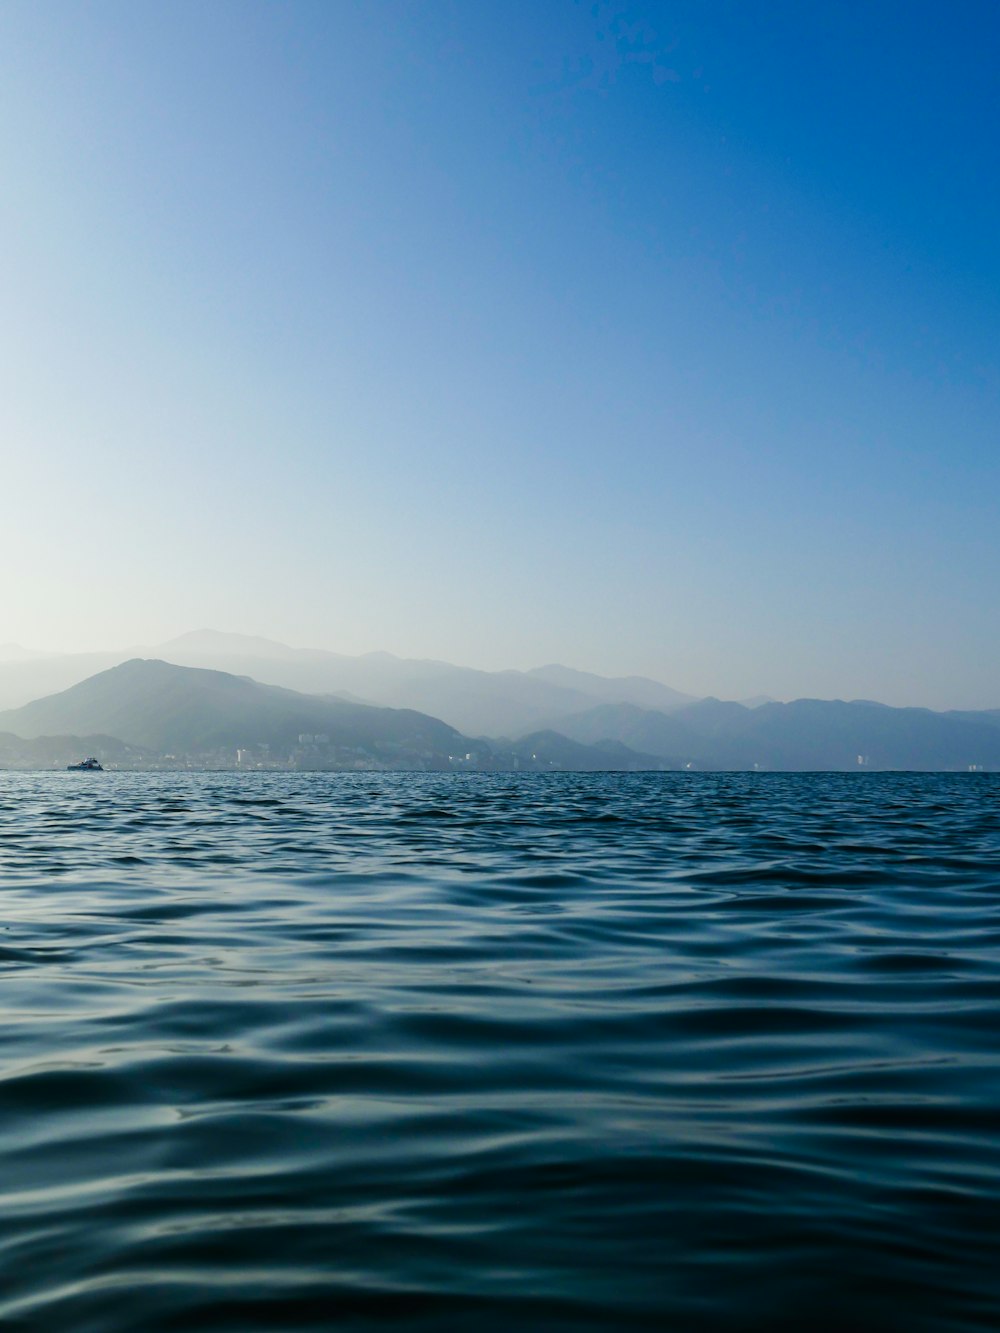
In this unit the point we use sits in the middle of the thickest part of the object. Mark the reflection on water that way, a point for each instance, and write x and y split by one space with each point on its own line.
460 1052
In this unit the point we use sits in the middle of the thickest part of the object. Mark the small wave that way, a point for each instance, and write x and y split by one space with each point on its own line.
565 1052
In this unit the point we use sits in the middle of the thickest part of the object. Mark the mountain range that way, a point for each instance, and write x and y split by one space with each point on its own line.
189 711
806 734
151 712
477 703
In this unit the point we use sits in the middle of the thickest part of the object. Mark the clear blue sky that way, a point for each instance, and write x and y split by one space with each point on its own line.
657 338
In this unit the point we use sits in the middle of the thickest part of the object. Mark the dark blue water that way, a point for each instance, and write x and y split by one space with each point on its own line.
459 1052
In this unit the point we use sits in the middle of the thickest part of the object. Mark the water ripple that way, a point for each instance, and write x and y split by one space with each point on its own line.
579 1052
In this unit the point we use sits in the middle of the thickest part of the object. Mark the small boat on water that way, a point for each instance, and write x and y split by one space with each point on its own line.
86 766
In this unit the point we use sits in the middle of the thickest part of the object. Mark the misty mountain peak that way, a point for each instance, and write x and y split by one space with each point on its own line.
224 644
15 652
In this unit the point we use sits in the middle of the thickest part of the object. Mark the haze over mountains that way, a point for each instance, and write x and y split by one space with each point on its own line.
477 703
806 734
156 711
161 707
152 712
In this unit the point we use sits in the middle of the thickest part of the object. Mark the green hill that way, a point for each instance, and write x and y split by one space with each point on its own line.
172 709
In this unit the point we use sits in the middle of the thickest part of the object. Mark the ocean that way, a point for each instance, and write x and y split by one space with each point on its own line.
495 1052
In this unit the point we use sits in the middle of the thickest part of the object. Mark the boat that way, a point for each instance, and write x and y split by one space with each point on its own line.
86 766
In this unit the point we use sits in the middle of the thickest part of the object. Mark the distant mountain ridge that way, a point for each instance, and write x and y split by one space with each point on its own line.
477 703
15 652
619 689
163 707
806 734
153 710
521 718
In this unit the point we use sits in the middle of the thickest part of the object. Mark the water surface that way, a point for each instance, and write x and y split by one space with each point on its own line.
493 1052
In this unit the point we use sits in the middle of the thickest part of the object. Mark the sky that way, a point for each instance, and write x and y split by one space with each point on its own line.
648 338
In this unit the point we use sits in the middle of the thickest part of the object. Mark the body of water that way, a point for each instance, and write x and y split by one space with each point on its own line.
501 1052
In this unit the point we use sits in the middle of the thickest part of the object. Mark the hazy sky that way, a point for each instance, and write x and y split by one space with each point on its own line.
655 338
